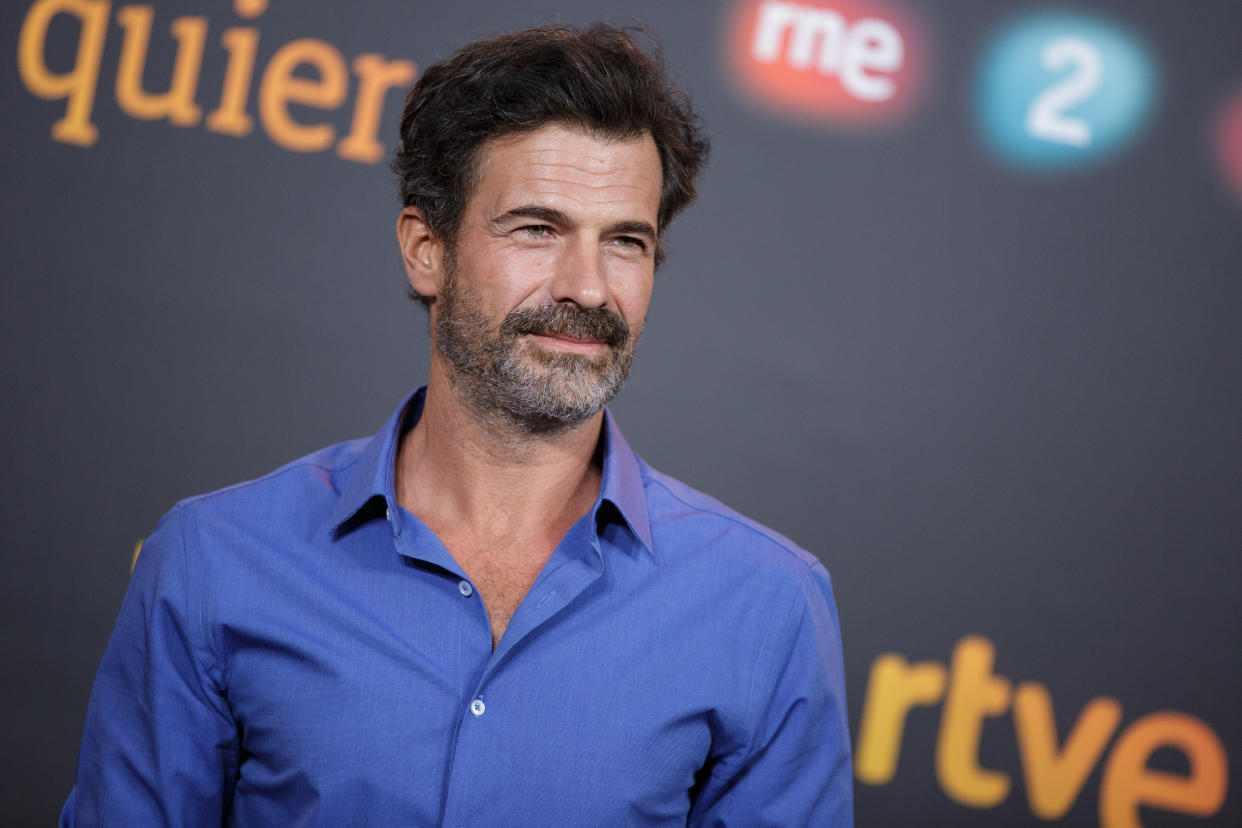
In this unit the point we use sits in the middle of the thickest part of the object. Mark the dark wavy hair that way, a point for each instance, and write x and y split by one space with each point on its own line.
598 79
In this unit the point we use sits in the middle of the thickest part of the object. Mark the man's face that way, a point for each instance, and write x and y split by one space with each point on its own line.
546 287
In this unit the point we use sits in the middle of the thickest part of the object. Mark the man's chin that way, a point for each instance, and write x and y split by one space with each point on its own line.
542 390
550 396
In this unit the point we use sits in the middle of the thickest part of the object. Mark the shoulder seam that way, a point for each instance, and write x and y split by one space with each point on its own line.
292 465
200 622
785 544
767 651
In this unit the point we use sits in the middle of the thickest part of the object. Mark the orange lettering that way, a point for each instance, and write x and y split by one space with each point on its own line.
230 117
375 77
1128 783
249 8
1053 779
78 84
894 688
974 693
177 104
279 88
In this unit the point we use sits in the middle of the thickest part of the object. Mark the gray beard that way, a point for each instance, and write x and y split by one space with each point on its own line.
500 373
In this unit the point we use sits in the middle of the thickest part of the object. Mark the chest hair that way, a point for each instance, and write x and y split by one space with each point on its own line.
502 575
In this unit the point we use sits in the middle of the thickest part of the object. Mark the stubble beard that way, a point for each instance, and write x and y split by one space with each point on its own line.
501 373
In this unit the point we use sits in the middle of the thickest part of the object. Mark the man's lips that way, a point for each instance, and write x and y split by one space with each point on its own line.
571 341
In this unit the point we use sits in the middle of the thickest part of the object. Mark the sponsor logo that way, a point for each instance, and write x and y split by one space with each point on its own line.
846 63
1228 140
1063 90
971 694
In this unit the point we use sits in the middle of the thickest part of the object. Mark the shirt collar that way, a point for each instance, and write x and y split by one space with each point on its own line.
374 474
622 484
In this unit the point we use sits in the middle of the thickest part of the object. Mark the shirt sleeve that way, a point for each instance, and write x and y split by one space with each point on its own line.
160 746
795 769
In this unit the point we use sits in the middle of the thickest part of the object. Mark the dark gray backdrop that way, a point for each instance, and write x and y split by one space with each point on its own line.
991 402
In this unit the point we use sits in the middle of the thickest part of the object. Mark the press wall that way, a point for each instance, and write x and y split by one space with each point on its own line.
959 310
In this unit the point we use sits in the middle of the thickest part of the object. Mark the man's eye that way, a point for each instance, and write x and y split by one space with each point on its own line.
630 241
538 231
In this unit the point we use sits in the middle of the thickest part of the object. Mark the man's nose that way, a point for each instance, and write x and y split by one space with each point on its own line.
579 276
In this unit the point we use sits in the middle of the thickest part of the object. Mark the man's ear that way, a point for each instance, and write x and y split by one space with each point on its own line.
422 252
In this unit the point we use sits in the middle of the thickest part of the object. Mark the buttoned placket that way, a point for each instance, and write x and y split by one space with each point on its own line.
574 565
569 572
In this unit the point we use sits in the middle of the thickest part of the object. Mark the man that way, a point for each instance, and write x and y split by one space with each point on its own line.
492 612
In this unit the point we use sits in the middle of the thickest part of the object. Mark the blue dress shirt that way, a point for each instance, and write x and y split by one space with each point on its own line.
300 650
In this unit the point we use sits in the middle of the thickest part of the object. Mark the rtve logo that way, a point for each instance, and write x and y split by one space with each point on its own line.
847 62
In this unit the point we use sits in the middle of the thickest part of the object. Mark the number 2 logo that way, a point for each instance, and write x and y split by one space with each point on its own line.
1047 118
1061 90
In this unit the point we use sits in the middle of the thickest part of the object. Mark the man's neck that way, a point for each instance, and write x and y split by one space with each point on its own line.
483 475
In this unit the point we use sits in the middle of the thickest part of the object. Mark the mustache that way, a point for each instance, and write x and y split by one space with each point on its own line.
568 319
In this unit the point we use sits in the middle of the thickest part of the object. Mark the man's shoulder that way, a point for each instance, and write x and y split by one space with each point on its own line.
686 518
315 478
281 515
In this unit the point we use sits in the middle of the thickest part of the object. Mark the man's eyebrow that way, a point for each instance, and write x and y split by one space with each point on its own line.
554 216
636 228
548 214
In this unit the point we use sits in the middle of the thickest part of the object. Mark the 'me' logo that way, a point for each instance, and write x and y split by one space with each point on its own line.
847 63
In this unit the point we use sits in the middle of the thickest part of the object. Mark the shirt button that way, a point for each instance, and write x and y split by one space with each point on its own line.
465 589
388 515
477 707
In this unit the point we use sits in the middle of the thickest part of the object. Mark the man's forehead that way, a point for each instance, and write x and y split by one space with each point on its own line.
556 160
